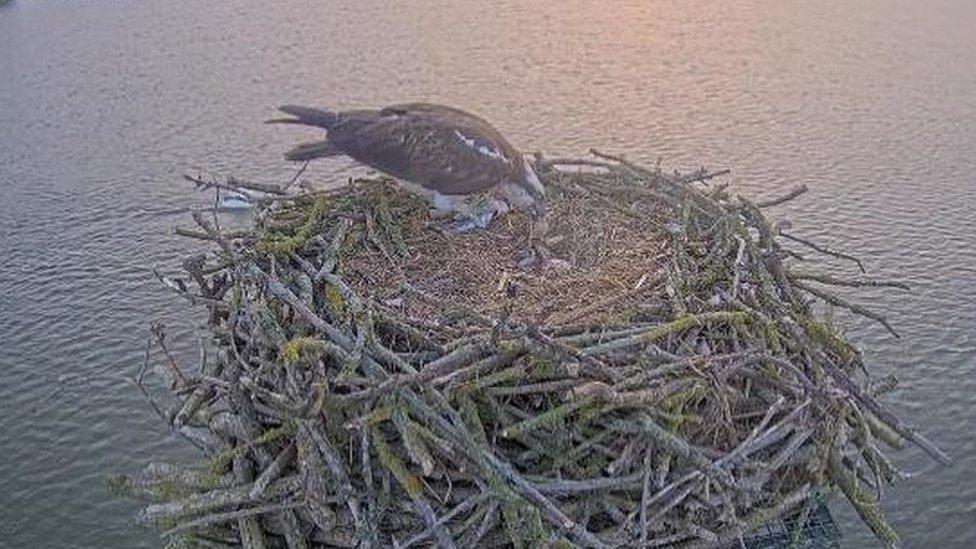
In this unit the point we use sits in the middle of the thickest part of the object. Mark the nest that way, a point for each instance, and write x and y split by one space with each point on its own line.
374 382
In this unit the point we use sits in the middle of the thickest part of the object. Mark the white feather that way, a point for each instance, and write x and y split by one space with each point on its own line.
481 149
443 203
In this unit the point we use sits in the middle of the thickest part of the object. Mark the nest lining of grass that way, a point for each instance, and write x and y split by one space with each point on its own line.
605 252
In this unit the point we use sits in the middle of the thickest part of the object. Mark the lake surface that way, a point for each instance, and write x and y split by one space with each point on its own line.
104 104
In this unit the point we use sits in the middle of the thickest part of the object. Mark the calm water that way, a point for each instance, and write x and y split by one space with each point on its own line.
103 105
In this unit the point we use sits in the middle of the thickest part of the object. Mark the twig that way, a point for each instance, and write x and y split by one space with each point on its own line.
824 250
854 283
856 309
794 192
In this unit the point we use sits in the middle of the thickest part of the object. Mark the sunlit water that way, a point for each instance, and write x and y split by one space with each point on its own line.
103 105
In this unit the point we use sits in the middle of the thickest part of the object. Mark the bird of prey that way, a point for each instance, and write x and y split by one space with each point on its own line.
460 163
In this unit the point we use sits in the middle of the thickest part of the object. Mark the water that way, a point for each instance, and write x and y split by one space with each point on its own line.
103 105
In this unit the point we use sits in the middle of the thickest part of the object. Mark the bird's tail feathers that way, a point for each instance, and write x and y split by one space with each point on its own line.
312 150
307 116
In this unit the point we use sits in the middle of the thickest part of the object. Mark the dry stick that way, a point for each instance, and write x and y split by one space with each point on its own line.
666 541
625 458
667 507
270 188
487 523
273 471
556 386
567 487
214 234
645 495
599 334
703 175
333 460
456 359
159 411
853 283
294 535
160 472
824 250
160 334
219 498
737 266
234 184
838 302
249 529
486 364
366 528
463 507
794 192
547 163
591 365
295 178
334 464
200 235
342 229
718 190
229 516
656 332
884 415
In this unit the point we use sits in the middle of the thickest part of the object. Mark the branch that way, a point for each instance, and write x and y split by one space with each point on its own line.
795 192
824 250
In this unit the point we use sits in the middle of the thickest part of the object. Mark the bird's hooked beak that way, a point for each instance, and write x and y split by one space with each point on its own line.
536 191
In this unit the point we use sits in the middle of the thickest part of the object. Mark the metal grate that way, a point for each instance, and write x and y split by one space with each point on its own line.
819 532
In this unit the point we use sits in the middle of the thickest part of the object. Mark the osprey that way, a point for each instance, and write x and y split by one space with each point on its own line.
458 161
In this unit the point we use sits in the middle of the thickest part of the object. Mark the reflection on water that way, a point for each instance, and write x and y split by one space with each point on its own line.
103 105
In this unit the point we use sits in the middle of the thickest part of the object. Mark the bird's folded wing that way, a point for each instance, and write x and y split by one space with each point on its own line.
451 155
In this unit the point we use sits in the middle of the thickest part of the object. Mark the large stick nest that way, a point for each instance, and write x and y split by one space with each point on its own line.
375 382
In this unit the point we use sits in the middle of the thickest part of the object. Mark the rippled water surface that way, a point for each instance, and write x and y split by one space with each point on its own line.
104 104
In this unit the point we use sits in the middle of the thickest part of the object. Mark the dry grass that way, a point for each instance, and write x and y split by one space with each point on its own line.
610 251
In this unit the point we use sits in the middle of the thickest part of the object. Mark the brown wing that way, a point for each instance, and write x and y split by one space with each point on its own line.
438 147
